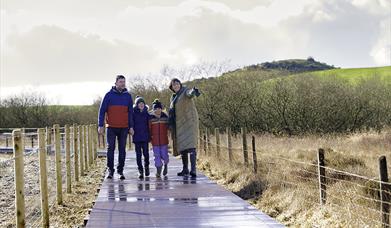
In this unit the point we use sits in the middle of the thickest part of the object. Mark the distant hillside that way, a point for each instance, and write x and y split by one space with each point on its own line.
282 101
293 65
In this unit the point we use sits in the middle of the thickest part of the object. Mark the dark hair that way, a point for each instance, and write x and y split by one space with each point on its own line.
174 80
119 77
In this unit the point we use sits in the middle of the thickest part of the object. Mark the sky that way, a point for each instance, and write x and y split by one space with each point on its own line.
71 50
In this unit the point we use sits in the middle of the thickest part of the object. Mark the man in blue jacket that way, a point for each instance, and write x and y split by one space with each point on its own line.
116 110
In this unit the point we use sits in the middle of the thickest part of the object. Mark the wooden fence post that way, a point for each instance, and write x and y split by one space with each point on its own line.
322 176
62 141
244 145
75 152
43 178
208 140
81 151
89 130
57 148
199 143
95 135
384 195
68 159
254 155
94 141
19 177
85 147
48 140
205 146
229 144
217 135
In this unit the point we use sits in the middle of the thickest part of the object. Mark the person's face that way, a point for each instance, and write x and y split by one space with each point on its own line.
158 111
120 83
141 105
176 86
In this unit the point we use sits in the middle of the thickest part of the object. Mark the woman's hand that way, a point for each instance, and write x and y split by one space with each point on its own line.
194 92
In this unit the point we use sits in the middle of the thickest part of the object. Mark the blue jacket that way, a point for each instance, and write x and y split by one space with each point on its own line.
118 108
140 125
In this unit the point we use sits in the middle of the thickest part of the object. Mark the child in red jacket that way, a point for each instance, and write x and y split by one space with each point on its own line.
158 128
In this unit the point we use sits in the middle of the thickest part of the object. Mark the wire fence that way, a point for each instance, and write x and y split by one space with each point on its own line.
59 145
360 200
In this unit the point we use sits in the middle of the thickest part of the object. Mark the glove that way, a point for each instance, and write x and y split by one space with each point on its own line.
195 92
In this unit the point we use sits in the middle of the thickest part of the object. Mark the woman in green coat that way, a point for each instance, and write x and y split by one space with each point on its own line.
183 120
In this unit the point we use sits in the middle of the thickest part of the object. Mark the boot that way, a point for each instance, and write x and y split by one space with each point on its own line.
111 174
141 173
185 161
165 170
147 171
121 175
158 171
193 161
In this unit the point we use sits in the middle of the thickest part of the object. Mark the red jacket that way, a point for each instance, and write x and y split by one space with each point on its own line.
158 128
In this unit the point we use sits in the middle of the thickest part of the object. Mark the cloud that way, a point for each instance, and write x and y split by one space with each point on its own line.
217 36
244 4
50 54
339 31
336 32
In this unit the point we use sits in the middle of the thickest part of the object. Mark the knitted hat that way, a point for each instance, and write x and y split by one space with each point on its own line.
139 99
157 104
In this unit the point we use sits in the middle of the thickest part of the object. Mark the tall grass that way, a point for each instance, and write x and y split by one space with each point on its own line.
286 185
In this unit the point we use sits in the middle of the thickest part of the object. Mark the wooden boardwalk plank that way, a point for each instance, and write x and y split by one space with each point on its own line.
171 202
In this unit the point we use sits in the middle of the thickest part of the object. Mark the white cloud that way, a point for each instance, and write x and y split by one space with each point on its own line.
49 54
345 37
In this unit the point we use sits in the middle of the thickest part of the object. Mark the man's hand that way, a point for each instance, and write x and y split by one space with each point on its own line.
101 130
131 131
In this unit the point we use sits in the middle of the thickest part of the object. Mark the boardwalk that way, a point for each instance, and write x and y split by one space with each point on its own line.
171 202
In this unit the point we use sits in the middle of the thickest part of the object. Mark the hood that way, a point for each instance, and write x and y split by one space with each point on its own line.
162 115
114 90
146 107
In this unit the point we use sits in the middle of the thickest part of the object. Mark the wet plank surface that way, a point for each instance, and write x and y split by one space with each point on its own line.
171 202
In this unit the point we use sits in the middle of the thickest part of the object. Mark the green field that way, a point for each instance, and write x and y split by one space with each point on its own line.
354 75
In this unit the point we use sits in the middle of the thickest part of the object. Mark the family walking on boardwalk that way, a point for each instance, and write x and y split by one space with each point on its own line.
122 116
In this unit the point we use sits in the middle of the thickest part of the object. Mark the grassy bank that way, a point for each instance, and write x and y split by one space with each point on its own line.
286 185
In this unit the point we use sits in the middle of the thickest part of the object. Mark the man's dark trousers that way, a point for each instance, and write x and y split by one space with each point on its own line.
121 135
